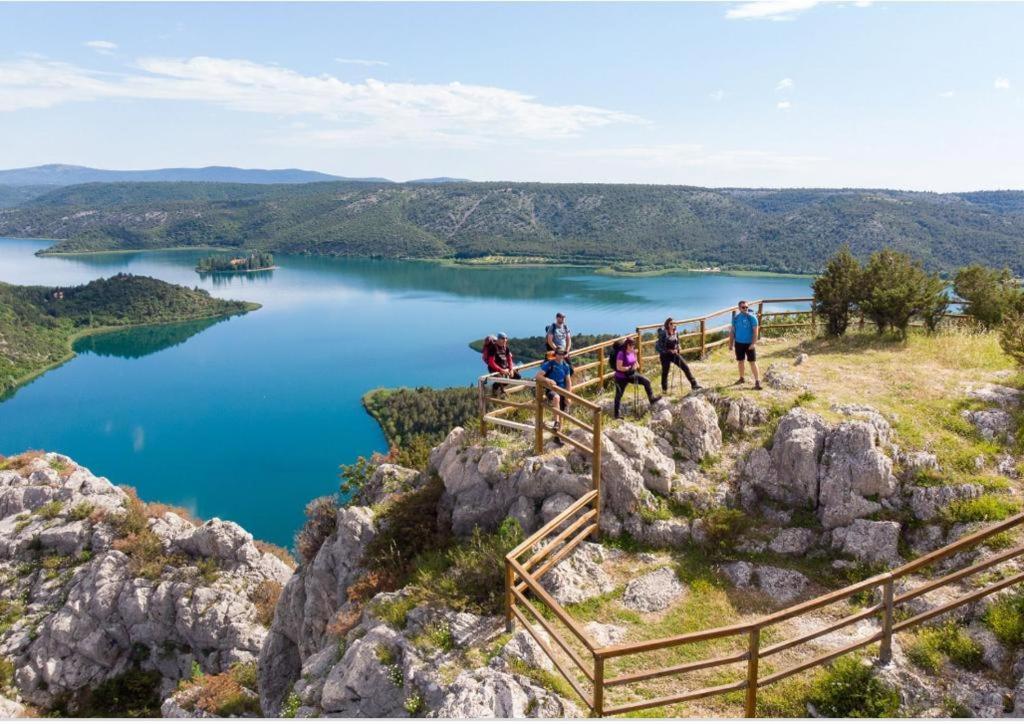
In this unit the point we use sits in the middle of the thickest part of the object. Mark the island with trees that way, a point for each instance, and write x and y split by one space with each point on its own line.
256 261
39 324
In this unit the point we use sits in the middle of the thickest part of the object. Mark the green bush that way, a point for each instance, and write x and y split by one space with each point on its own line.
1005 617
133 694
836 292
722 527
989 293
933 645
1011 337
895 288
849 688
985 508
291 705
321 522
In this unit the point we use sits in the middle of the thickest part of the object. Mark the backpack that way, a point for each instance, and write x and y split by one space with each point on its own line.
488 352
659 346
614 355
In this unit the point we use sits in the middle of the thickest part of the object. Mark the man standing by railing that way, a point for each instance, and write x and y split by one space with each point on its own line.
558 335
557 372
743 338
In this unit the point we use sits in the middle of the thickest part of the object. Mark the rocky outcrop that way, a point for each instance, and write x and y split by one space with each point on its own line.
781 585
104 583
841 471
654 591
871 541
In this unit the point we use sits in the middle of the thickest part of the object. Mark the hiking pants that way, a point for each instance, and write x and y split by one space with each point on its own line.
674 358
620 387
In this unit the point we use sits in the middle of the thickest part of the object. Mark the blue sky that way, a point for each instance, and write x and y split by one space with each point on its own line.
778 93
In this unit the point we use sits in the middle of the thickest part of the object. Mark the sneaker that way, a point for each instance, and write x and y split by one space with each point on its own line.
740 381
757 386
696 386
655 399
618 415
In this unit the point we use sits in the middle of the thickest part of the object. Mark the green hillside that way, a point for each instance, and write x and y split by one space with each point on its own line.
776 230
38 324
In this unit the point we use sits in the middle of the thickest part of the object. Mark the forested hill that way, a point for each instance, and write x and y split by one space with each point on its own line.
777 230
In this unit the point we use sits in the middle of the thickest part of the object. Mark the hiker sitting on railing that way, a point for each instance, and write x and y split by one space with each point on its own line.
500 362
667 348
626 366
558 335
557 372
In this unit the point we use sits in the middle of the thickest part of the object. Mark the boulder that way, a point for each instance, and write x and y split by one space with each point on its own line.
991 424
387 479
491 694
604 634
779 379
914 463
871 541
789 472
523 647
654 591
926 504
781 585
999 395
694 431
793 541
580 576
364 683
853 468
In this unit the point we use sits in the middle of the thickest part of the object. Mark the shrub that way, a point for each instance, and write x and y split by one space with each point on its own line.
413 453
133 694
6 675
722 527
407 528
321 522
394 612
849 688
145 551
414 703
471 575
355 476
989 293
985 508
265 597
223 695
50 510
894 288
291 705
1011 337
933 645
1005 617
81 511
836 291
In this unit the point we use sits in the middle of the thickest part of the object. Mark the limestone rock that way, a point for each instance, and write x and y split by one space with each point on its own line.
10 709
999 395
914 463
991 424
789 472
604 634
780 584
386 480
853 468
927 503
778 379
694 432
523 647
793 541
872 541
490 694
579 576
654 591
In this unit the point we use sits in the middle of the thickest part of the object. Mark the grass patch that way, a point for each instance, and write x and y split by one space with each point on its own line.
849 688
1005 617
935 645
985 508
50 510
544 679
394 612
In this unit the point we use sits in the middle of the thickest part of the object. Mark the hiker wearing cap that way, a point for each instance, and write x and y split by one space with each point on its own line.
626 366
557 372
558 335
743 336
667 348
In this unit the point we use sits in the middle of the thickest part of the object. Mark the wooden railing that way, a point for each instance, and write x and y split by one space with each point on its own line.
595 673
564 533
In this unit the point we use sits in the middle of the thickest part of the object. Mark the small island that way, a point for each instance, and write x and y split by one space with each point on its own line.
256 261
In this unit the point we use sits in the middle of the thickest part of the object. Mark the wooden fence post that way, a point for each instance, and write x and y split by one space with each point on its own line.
509 584
885 649
600 367
595 465
482 399
639 349
598 686
703 338
538 433
753 653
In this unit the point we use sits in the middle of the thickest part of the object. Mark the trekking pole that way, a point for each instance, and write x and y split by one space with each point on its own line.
636 401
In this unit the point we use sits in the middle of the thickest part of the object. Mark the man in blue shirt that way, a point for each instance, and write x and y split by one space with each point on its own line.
743 339
557 372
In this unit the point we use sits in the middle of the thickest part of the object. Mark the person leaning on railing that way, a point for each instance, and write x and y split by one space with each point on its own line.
558 335
626 366
557 372
500 362
667 348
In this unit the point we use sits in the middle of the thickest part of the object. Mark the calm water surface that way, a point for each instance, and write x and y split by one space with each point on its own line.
248 419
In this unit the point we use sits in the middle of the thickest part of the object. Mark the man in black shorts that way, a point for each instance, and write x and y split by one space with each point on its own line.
743 337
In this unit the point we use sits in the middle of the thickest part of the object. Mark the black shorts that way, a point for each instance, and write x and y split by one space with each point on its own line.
745 351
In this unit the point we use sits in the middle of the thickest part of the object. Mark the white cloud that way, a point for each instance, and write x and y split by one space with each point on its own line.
717 95
360 61
947 94
695 155
769 9
103 47
446 113
1002 84
783 105
784 85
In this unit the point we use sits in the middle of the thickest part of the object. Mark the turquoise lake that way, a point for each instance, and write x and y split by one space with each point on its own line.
249 418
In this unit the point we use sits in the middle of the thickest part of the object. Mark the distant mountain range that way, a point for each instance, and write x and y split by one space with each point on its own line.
636 227
56 174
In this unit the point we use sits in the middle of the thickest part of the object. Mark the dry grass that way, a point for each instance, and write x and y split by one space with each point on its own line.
265 597
277 551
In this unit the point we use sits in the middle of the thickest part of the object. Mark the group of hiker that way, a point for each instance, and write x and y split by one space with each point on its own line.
557 370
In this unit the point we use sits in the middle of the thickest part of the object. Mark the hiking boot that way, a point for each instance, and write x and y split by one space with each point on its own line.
655 399
757 386
740 381
695 386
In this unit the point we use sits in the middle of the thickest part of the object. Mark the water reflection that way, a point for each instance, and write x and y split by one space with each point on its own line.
142 341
